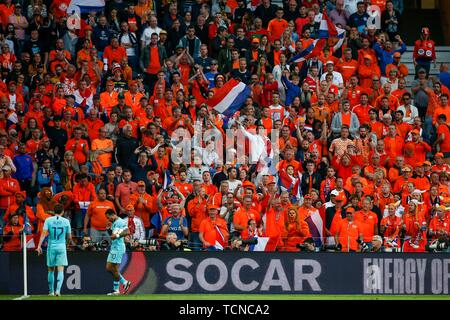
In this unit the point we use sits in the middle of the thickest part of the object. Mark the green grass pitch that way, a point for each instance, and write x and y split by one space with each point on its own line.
229 297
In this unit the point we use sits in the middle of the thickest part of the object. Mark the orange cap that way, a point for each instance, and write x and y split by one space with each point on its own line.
129 207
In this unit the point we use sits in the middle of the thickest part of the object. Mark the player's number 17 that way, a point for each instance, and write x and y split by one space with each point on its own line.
61 230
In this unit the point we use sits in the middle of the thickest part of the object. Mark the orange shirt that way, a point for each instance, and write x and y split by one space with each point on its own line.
368 222
114 54
78 149
197 209
93 127
208 228
348 232
108 100
441 110
145 207
296 232
133 100
445 144
105 158
241 217
154 65
96 211
276 28
275 225
184 187
347 69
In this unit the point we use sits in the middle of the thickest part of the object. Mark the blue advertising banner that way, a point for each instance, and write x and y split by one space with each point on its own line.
239 272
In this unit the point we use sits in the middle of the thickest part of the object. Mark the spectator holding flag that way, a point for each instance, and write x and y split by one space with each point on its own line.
213 230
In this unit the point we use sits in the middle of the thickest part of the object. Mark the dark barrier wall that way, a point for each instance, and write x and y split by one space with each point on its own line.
161 272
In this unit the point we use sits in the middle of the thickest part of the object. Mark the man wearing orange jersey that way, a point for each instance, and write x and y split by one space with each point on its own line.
245 213
97 218
390 227
368 220
347 66
277 26
213 230
349 232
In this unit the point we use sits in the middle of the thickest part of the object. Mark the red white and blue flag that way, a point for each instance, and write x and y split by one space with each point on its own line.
230 98
220 239
315 224
264 244
327 30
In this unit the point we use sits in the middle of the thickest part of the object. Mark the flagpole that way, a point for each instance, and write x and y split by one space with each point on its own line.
25 271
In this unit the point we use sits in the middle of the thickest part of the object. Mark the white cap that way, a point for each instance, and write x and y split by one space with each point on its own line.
329 62
334 193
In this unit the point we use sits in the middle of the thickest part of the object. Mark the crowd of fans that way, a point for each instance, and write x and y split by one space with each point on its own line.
88 109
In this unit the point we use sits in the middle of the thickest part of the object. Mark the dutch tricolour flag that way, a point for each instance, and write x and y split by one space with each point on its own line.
230 98
85 6
327 30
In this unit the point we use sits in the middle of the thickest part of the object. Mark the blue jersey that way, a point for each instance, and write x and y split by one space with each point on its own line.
58 230
118 244
175 226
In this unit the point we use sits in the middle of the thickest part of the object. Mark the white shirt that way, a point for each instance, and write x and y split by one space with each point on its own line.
414 113
147 34
139 232
337 78
350 6
232 185
126 40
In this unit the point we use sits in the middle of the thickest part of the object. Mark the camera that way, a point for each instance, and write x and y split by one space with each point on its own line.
332 247
249 242
148 242
101 245
364 246
438 245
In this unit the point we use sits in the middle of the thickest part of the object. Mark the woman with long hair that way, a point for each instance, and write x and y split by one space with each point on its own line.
296 230
69 167
44 208
414 228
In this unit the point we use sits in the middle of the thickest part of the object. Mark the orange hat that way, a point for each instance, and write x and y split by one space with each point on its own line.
129 207
255 40
132 82
213 206
248 184
406 168
368 56
428 163
271 180
419 164
441 207
109 82
22 193
308 196
415 131
397 55
439 154
141 183
350 210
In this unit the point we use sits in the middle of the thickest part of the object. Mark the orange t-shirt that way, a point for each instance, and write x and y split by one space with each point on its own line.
96 211
105 158
276 28
367 222
348 234
242 216
443 130
346 118
154 65
78 149
209 231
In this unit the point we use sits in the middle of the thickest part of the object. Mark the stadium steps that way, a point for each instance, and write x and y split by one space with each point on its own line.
442 56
